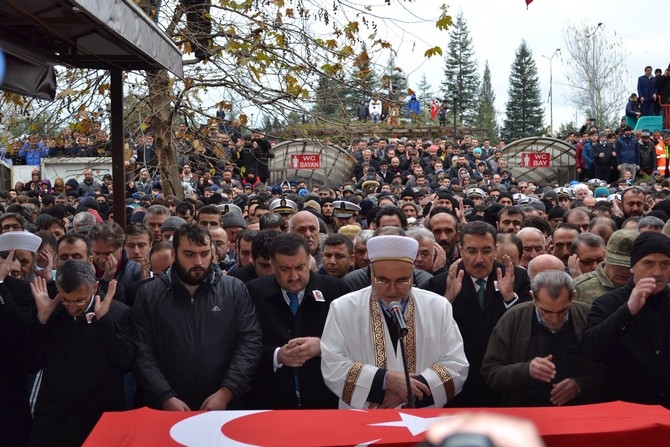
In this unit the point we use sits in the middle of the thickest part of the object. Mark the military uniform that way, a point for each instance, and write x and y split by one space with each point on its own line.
592 285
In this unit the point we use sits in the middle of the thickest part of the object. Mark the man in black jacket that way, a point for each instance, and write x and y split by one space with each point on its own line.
197 336
627 328
477 311
292 306
83 345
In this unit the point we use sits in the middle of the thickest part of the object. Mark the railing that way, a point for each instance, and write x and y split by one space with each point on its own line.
666 113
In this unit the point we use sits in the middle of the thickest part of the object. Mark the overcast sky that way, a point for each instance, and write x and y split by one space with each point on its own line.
498 26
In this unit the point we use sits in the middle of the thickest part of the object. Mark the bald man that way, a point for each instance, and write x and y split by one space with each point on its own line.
543 263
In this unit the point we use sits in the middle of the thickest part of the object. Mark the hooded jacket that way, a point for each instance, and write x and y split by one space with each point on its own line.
190 347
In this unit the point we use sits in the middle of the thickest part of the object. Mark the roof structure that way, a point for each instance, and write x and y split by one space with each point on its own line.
335 163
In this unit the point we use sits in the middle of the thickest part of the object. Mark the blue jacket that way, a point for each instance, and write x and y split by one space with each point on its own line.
587 153
627 150
33 156
413 106
646 87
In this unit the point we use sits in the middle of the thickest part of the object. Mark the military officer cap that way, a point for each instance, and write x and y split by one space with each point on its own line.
282 205
344 209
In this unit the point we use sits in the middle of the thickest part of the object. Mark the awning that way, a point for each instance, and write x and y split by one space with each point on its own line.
97 34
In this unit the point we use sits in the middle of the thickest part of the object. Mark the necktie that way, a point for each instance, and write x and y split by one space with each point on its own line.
482 291
293 302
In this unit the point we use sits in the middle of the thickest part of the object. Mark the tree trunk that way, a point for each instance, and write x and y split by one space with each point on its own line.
160 101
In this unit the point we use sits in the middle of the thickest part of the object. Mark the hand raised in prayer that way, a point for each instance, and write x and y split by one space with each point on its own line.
101 307
45 305
640 293
506 281
454 281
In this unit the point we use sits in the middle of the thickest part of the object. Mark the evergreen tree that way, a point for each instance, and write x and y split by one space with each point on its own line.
524 111
485 117
425 96
328 99
362 82
460 69
393 84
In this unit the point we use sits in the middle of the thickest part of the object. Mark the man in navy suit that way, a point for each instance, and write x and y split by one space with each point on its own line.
477 311
292 306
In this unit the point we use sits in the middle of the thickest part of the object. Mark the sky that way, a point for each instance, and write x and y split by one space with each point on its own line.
498 26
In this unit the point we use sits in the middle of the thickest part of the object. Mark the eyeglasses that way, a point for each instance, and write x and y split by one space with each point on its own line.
77 303
387 283
487 251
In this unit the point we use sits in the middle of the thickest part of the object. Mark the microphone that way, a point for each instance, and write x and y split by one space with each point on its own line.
398 317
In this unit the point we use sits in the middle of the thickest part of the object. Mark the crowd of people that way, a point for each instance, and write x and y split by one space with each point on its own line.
244 295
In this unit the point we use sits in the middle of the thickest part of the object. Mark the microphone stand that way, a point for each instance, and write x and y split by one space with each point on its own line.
401 339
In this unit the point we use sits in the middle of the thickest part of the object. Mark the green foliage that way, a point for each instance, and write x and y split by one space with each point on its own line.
393 82
524 111
460 69
565 128
362 81
329 99
485 111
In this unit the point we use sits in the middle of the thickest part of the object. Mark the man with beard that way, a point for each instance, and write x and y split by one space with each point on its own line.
446 230
563 236
194 322
632 205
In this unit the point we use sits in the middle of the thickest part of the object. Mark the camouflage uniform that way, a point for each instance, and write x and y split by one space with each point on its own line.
592 285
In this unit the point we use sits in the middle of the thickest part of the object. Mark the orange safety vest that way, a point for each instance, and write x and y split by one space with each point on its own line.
662 154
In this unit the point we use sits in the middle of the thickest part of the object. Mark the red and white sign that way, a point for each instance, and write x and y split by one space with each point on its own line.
535 160
305 161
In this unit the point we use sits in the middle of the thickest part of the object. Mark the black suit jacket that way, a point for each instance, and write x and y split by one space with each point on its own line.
17 309
476 325
83 366
276 389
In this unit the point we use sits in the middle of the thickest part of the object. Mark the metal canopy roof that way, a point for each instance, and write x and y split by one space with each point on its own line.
562 157
336 163
98 34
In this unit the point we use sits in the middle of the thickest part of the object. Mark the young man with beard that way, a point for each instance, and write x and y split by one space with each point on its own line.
195 322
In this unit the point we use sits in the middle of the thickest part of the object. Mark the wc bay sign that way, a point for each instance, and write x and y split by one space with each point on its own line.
536 160
306 161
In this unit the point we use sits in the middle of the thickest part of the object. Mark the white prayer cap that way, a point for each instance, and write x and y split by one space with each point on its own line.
20 240
397 248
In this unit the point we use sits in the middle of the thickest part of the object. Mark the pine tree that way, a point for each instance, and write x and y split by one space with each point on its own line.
485 117
393 83
362 82
460 69
524 111
425 95
328 99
